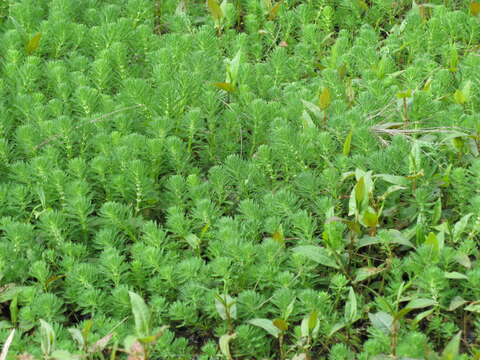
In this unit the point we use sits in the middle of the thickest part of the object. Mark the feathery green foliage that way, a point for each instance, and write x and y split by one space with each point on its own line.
239 179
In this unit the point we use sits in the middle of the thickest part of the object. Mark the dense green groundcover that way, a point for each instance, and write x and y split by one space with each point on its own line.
248 180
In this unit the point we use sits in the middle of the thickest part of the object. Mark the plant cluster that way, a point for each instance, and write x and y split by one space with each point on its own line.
239 179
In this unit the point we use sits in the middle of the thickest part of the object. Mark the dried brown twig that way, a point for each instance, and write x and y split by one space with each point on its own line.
397 128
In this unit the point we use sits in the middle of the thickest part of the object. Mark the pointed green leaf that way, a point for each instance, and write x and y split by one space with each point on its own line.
351 307
318 254
473 307
455 275
393 179
47 340
423 315
452 349
420 303
338 326
266 325
456 302
381 321
463 260
460 227
366 272
347 144
141 314
215 10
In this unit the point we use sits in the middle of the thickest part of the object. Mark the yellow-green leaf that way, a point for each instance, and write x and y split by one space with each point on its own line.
363 5
370 219
312 320
347 144
280 324
215 10
225 86
273 12
459 97
278 237
324 99
360 190
475 8
404 94
33 43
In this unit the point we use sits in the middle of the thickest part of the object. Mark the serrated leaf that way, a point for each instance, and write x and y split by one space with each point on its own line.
224 344
33 43
455 275
347 144
280 324
266 325
316 253
225 86
325 99
381 321
420 303
452 349
215 10
456 302
141 314
366 272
